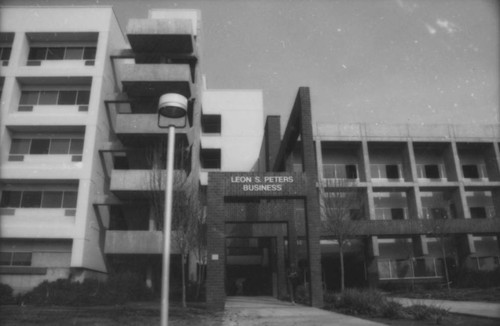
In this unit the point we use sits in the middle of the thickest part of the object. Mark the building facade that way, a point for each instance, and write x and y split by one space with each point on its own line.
83 154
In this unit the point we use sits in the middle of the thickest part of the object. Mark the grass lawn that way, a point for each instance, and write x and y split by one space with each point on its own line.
130 314
472 294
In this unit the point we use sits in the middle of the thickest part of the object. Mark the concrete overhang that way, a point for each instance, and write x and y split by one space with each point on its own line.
137 183
161 35
141 125
136 242
154 80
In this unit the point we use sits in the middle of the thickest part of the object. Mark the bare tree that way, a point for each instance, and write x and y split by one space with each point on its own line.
340 206
186 208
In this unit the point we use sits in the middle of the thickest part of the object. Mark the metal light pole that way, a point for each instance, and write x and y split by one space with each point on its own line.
171 107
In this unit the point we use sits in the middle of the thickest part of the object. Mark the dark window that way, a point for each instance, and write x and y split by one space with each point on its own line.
37 54
5 258
355 214
83 97
76 146
5 53
478 212
89 53
69 199
67 98
31 199
55 53
470 171
211 123
11 199
40 146
52 199
20 146
392 171
47 98
351 172
21 259
210 158
59 146
432 171
74 53
397 213
29 98
120 162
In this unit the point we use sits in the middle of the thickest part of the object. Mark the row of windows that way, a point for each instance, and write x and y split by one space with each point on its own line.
39 199
70 97
62 53
15 258
410 268
392 171
47 146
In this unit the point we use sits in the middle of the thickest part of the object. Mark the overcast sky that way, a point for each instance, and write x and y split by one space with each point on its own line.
401 61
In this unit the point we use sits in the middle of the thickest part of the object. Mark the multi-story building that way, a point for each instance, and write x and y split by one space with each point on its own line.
83 154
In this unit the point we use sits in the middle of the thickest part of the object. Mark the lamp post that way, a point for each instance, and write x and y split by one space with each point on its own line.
171 108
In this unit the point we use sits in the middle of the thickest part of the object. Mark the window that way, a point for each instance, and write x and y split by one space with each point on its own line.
55 97
351 172
397 213
15 258
5 55
44 146
478 212
38 199
392 171
470 171
438 213
211 123
61 53
431 171
210 158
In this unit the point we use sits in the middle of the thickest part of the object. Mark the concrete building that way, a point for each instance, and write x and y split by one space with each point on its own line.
83 154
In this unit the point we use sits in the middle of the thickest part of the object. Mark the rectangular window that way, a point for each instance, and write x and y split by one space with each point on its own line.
37 54
55 53
5 53
392 171
83 98
384 269
40 146
438 213
52 199
11 199
31 199
20 146
351 172
478 212
21 259
74 53
47 98
67 98
431 171
29 98
211 123
76 146
397 213
470 171
89 53
69 199
210 158
59 146
5 258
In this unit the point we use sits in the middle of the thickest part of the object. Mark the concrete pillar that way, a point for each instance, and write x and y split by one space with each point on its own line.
372 253
319 159
466 247
409 164
414 203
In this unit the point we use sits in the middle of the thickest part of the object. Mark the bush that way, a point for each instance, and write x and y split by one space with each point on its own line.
6 296
356 302
118 289
466 278
425 312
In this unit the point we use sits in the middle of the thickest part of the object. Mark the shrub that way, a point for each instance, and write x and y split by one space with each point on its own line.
425 312
393 310
6 296
466 278
118 289
356 302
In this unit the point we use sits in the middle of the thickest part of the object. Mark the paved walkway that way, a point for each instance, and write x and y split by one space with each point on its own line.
267 311
481 309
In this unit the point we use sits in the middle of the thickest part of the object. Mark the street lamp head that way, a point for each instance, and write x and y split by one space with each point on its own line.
172 106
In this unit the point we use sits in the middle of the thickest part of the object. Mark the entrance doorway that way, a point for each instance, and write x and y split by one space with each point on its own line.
251 266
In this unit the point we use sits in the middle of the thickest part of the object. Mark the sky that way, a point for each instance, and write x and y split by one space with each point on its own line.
373 61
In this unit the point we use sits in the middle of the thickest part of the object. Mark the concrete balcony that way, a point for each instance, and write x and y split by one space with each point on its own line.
488 226
136 183
154 80
161 35
136 242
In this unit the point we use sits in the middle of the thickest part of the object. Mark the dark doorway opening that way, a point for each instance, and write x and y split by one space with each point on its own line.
250 264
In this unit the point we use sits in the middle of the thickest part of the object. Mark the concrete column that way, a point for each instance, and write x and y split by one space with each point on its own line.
420 247
466 247
409 164
319 159
372 253
280 261
414 203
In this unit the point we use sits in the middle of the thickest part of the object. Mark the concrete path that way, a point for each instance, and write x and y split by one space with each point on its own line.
267 311
481 309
